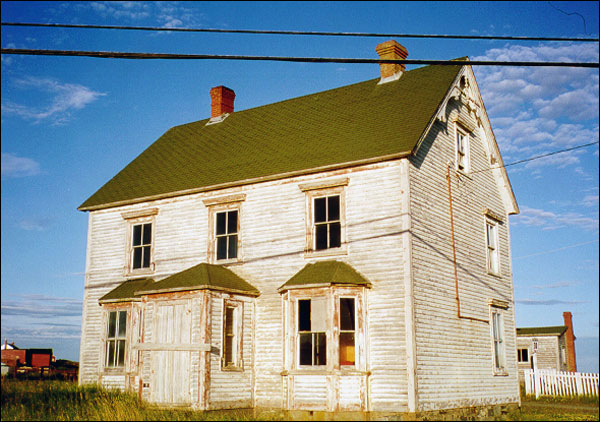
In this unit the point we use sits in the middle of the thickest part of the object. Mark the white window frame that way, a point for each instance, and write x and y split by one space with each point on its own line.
237 362
492 246
215 207
134 219
119 341
332 295
324 189
498 338
520 355
462 148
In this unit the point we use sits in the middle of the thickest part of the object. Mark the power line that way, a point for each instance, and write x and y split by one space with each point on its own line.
286 32
170 56
537 157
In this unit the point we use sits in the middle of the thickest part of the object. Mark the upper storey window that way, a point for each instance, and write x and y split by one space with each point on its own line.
462 149
224 228
328 228
140 240
141 246
226 234
325 221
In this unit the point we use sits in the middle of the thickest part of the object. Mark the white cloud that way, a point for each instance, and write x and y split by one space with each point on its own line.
64 98
548 220
14 166
556 285
542 109
35 224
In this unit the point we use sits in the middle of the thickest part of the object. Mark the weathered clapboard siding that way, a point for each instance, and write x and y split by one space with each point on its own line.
272 222
548 352
231 388
454 355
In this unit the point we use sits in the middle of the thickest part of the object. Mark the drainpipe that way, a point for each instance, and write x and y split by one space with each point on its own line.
454 251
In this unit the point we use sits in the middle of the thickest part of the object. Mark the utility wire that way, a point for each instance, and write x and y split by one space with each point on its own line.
128 55
316 33
537 157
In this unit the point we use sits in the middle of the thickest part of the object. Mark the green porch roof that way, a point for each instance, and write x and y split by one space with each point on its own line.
126 291
201 276
326 272
531 331
353 123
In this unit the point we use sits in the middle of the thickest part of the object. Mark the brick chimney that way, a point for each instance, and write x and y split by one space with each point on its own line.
570 342
221 101
391 50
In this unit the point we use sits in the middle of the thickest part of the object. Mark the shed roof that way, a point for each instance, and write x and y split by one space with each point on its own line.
126 291
350 124
201 276
326 272
554 330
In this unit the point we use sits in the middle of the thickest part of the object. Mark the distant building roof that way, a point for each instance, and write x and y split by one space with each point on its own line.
541 331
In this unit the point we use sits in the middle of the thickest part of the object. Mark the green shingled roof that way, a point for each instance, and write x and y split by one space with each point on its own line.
528 331
352 123
326 272
126 291
202 276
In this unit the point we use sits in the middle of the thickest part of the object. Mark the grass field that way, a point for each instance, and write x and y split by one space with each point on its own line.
65 401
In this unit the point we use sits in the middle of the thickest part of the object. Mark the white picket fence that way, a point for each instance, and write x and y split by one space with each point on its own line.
549 382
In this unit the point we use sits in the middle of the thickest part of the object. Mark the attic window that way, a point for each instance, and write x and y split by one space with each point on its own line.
462 149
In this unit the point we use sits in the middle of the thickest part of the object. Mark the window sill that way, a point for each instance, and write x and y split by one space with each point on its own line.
500 373
228 261
493 274
140 271
318 371
232 369
114 371
342 250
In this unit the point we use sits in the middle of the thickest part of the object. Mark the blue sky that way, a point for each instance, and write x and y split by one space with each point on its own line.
70 124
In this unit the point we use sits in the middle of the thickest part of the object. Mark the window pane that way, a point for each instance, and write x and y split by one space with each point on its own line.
110 353
221 220
121 353
320 349
335 235
321 237
232 249
333 208
146 263
147 234
122 323
137 258
320 210
232 222
137 235
347 314
305 348
346 348
304 315
222 247
112 324
229 335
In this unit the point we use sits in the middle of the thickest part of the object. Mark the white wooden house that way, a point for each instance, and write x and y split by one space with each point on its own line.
347 250
551 347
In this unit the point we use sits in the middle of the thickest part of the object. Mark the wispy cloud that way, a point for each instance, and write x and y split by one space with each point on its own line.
556 285
15 166
548 302
35 223
549 220
42 307
165 14
63 99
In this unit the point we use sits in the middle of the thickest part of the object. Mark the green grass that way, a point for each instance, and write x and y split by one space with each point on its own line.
31 400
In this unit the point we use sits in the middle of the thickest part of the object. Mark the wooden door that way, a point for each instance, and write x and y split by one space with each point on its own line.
171 369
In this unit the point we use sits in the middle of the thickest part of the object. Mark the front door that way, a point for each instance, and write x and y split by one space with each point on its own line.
171 368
